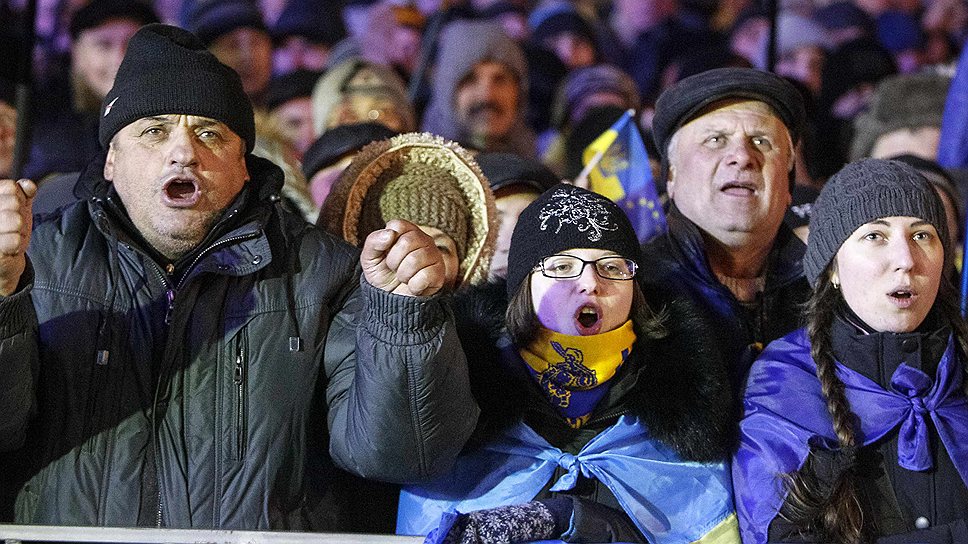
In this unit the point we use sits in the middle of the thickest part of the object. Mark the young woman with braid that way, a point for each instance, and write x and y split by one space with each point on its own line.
856 427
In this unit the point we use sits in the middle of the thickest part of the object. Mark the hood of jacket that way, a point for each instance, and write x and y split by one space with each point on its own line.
464 44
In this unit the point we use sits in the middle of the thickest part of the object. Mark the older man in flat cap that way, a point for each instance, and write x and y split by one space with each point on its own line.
177 350
727 139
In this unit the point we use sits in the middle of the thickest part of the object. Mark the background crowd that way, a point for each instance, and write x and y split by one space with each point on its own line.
456 119
874 73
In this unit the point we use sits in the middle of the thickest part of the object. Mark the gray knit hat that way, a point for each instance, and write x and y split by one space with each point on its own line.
861 192
908 101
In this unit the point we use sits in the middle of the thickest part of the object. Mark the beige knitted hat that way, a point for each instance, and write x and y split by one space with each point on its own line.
425 195
426 180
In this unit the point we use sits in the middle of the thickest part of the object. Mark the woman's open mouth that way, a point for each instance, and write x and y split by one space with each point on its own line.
903 298
588 320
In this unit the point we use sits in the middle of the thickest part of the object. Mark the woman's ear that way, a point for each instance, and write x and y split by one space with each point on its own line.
834 276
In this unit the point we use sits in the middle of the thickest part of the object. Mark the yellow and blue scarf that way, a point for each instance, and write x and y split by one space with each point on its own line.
574 371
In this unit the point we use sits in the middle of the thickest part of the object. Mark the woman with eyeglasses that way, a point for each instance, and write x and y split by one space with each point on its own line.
856 427
600 421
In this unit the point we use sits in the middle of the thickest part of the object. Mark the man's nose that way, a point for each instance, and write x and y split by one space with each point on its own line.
181 147
741 153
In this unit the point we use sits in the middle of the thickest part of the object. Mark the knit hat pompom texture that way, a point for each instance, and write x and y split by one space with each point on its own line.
427 179
167 70
427 196
567 217
862 192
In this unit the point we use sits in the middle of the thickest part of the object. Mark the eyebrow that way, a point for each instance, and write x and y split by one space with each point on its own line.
202 122
886 224
157 119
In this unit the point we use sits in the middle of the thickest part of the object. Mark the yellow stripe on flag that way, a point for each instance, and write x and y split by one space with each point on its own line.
608 186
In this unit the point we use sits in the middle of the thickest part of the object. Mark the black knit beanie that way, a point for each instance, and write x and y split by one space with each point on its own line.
567 217
861 192
167 70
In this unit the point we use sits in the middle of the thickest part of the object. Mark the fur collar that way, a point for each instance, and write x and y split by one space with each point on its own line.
677 385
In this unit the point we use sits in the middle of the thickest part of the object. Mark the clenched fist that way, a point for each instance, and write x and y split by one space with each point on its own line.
402 259
16 222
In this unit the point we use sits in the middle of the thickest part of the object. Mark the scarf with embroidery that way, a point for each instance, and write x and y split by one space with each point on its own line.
574 371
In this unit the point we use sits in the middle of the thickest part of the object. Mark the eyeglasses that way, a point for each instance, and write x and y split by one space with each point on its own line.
562 267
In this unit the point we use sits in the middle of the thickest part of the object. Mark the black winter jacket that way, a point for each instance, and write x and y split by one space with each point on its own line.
907 506
679 271
222 393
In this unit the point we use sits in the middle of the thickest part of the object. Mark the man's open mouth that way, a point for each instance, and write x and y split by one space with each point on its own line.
181 192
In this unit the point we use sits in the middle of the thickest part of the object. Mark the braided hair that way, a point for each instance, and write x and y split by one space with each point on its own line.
834 512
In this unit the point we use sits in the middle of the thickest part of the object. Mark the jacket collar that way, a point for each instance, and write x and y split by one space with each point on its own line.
784 263
877 355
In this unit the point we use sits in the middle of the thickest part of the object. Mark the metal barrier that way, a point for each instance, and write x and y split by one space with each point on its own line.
50 533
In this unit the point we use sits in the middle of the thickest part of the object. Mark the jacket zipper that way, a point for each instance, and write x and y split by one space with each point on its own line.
170 293
238 378
608 415
173 290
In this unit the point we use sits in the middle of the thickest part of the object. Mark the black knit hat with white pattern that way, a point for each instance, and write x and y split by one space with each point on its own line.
567 217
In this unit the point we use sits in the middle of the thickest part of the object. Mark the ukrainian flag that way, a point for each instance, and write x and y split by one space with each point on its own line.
622 174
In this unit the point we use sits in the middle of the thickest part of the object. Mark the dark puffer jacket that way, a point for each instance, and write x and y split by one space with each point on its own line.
219 394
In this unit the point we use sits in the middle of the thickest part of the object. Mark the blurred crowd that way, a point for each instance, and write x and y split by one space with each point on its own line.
538 79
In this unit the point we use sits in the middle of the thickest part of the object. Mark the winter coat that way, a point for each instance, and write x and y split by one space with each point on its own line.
220 392
787 425
679 271
677 390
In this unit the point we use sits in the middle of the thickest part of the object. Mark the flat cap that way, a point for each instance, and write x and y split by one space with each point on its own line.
340 141
680 103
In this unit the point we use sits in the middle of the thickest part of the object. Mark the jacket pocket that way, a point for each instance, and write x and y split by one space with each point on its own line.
240 377
95 391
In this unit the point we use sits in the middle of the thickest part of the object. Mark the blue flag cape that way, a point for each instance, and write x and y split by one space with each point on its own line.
670 500
784 409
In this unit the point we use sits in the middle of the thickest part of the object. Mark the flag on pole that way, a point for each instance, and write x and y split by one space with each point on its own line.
617 166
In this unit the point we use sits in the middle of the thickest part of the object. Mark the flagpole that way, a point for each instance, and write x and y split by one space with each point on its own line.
582 179
24 89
